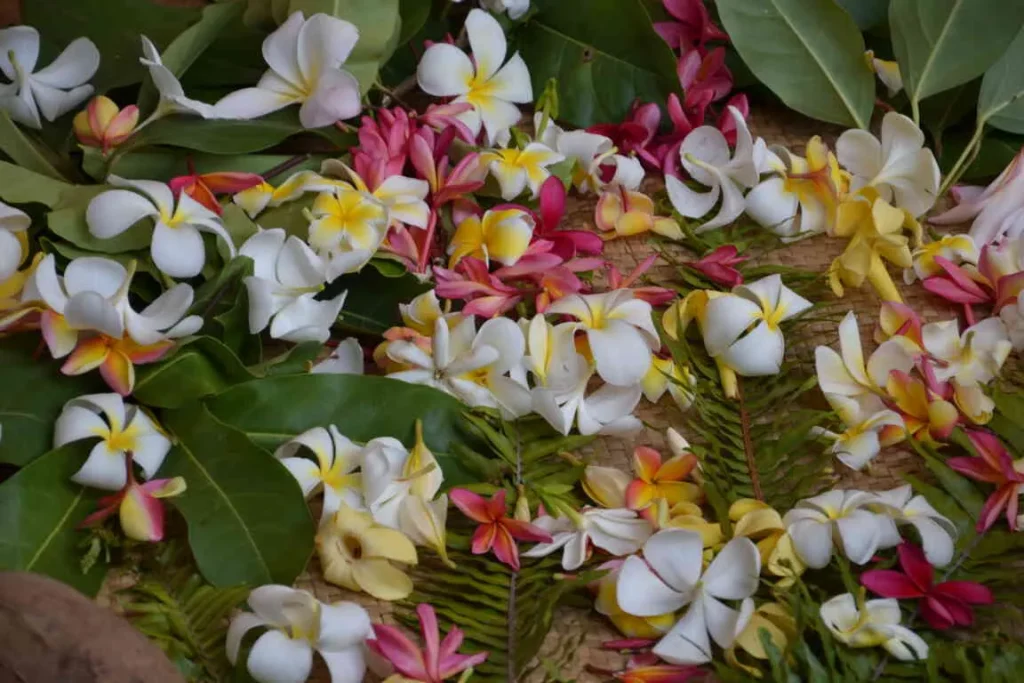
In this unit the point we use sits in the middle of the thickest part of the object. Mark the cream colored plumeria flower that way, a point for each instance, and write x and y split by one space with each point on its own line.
888 72
177 246
1012 316
973 357
665 375
742 329
618 532
900 167
13 241
121 429
305 57
53 90
487 82
404 197
333 471
867 430
706 157
619 331
846 374
297 624
607 411
172 95
260 197
286 278
873 623
502 235
671 576
517 169
838 518
592 153
474 366
551 357
938 534
954 248
347 228
346 359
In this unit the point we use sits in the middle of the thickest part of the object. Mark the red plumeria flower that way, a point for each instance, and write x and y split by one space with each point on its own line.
497 530
648 668
718 266
205 187
140 511
635 134
655 296
704 76
942 605
693 25
436 662
685 119
564 243
994 466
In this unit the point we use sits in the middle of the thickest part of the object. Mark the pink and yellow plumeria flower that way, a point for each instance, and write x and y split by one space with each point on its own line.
632 213
927 415
204 187
518 169
438 661
661 480
403 197
501 234
138 506
497 530
103 125
955 248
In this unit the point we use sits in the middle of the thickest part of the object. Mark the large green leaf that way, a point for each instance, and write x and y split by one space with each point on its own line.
164 163
809 52
940 44
373 297
19 185
247 519
40 509
866 13
362 407
219 136
37 392
24 151
604 58
200 367
996 152
1001 102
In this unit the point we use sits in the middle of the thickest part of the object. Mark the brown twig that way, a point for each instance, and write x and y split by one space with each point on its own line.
748 442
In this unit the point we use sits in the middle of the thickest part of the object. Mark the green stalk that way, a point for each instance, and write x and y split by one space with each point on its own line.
966 157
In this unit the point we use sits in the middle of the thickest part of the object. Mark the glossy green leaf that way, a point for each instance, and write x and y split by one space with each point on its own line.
997 151
218 136
940 44
866 13
40 509
604 58
940 112
164 163
200 367
19 185
414 16
67 220
809 53
38 394
1001 102
247 519
24 151
373 298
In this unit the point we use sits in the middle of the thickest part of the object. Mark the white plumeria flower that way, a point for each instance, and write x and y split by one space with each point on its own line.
297 624
938 534
286 278
900 167
260 197
591 152
861 442
13 224
619 332
974 357
814 522
492 89
347 228
346 359
669 577
172 95
551 357
742 331
785 207
551 133
334 470
516 169
956 249
618 531
305 59
706 157
875 623
607 411
177 246
1012 316
53 90
470 365
515 8
121 429
404 198
846 374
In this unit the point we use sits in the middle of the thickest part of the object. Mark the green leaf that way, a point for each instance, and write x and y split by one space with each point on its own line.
362 407
604 58
247 519
39 392
238 224
940 44
1001 102
414 17
218 136
373 297
24 151
809 52
866 13
67 220
21 186
164 163
40 509
200 367
997 151
940 112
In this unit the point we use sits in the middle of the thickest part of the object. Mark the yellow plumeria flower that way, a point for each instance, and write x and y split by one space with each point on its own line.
606 486
954 248
404 197
501 234
517 169
665 375
256 199
763 525
632 213
347 226
887 71
774 618
688 515
421 312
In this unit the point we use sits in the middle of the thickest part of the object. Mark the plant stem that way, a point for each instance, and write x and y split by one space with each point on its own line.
966 157
282 167
915 111
748 443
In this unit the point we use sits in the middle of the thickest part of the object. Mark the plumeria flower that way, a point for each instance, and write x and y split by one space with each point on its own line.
205 187
333 471
606 603
172 95
846 374
943 605
305 57
598 162
742 329
996 210
870 624
667 375
706 157
657 480
632 213
900 167
954 248
608 411
692 25
357 553
439 659
485 293
994 465
973 357
565 243
670 577
834 518
345 359
404 197
1012 316
719 265
518 169
763 525
927 408
347 228
287 276
177 246
260 197
53 90
997 279
888 72
619 532
938 534
501 234
123 430
492 89
497 530
101 124
866 431
515 8
138 505
772 617
619 331
297 624
13 239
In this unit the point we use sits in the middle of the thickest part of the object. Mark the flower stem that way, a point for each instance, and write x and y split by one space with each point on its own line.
965 160
748 443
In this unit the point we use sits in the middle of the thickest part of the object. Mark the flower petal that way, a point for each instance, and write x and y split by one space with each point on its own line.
642 593
179 251
733 574
487 41
687 642
111 213
445 71
276 658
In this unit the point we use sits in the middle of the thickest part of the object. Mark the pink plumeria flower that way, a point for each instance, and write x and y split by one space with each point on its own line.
470 281
436 662
635 134
717 266
138 505
992 465
564 243
205 187
497 530
383 145
704 76
655 296
692 25
997 211
997 280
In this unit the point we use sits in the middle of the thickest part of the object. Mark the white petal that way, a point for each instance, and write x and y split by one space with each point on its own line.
240 625
343 625
23 41
150 451
281 49
487 42
276 658
346 359
90 311
906 645
444 71
506 338
159 193
688 202
891 355
54 103
497 117
512 82
640 592
325 42
757 354
179 251
860 153
251 103
859 532
732 207
298 266
269 602
335 98
619 532
611 403
263 303
725 320
676 555
935 539
620 352
771 206
103 469
734 572
724 623
94 274
687 642
702 148
305 471
345 666
263 249
73 67
306 319
77 422
812 541
111 213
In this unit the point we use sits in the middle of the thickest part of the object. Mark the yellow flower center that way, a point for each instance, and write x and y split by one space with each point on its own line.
121 440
